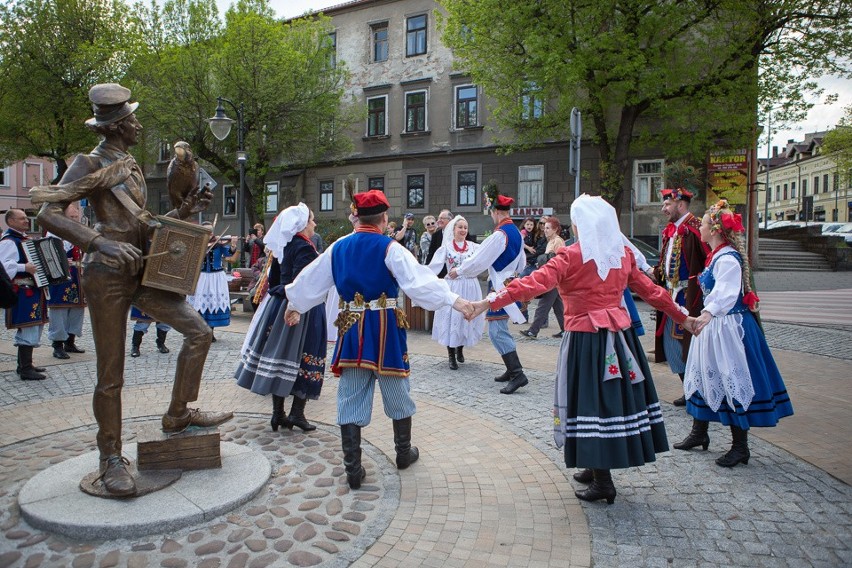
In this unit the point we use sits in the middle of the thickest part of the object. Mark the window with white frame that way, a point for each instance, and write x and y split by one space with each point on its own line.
648 180
466 106
230 201
415 191
531 186
379 33
377 112
532 104
467 187
415 111
4 176
272 197
326 195
164 152
34 174
415 35
332 58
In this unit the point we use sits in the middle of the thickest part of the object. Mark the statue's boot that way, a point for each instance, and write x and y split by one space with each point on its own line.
116 479
194 417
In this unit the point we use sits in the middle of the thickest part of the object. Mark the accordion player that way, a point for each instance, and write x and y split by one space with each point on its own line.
50 260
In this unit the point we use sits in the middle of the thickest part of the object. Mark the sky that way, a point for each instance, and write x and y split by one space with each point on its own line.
820 117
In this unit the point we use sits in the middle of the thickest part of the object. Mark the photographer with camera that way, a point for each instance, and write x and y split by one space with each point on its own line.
254 244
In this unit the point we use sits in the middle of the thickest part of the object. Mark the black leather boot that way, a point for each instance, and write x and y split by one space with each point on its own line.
451 351
739 449
25 361
697 437
350 436
59 350
601 488
584 476
161 341
406 454
136 343
459 354
71 347
507 376
279 417
297 415
516 372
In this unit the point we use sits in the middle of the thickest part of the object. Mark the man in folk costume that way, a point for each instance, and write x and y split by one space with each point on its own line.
681 261
502 254
67 303
30 314
112 275
368 268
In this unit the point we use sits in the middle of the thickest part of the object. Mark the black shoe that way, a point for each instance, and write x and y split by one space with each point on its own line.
59 350
601 488
459 354
558 335
584 476
279 417
136 343
451 351
406 454
26 370
297 415
528 333
738 454
71 347
517 382
697 436
161 341
679 401
350 437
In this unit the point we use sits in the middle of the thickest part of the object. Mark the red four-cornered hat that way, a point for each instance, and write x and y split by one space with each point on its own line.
371 202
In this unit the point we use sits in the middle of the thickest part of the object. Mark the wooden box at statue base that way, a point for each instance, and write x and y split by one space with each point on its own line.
195 448
177 251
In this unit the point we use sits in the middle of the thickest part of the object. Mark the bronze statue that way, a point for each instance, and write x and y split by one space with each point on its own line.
112 181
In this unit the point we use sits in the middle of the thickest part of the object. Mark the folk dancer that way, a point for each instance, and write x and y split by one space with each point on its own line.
368 269
502 254
681 261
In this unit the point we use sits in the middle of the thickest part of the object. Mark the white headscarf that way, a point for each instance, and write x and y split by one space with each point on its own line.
449 232
289 222
598 233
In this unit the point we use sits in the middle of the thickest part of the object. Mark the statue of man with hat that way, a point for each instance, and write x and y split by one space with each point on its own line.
112 181
502 255
681 261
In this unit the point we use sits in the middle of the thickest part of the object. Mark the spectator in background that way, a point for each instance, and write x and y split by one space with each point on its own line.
407 235
319 244
426 238
527 226
444 217
254 243
391 229
550 299
535 244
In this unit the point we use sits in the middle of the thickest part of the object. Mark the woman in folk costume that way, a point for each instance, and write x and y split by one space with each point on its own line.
607 414
212 299
450 328
731 376
276 358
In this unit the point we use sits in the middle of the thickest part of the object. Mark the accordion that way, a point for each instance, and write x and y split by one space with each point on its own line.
50 260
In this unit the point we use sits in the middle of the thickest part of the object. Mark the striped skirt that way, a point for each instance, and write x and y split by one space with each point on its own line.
603 422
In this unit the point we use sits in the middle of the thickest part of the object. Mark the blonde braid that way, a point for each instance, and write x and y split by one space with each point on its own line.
735 239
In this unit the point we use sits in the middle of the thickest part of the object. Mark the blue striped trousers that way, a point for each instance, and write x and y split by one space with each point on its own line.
355 396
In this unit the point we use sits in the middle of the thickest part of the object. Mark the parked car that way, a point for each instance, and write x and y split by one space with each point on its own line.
844 230
652 255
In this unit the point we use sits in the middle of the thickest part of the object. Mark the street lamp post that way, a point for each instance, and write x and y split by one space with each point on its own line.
220 126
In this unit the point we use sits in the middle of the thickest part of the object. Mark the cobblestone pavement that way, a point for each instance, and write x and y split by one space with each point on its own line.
682 510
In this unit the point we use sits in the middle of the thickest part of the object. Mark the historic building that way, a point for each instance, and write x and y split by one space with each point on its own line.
803 184
17 178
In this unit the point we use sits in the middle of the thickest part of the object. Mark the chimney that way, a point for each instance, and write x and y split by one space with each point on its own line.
775 151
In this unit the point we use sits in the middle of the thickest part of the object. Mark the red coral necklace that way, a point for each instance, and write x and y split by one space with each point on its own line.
462 249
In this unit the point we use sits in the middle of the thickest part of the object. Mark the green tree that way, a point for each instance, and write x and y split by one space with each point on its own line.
676 75
51 53
293 97
838 143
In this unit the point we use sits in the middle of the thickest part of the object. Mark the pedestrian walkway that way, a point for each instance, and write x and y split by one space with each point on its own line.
490 488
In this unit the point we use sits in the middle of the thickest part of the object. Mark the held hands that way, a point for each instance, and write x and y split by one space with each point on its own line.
478 308
463 306
702 321
292 317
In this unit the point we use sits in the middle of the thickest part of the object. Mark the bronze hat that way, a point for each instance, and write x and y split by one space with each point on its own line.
109 103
